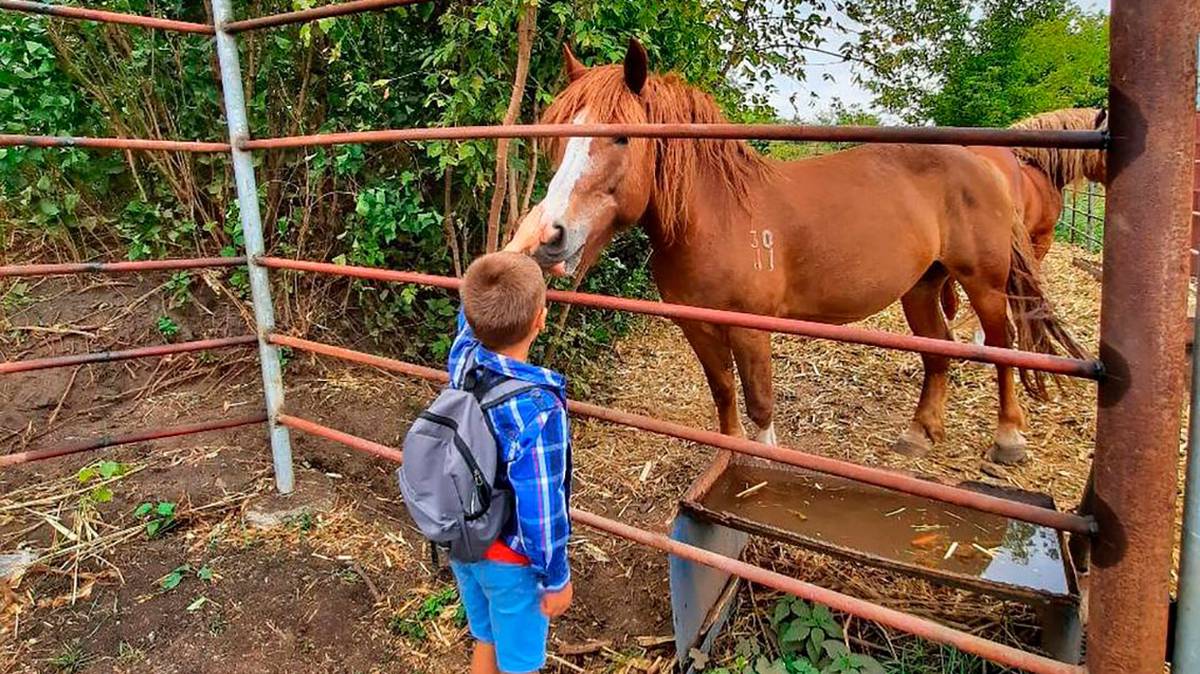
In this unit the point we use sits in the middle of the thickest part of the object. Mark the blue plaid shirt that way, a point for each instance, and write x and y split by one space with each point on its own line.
534 435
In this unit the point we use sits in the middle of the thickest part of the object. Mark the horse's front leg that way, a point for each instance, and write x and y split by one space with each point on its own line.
752 351
924 315
712 348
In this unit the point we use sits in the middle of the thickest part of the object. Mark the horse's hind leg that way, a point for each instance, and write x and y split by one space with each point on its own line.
991 305
924 314
752 351
712 348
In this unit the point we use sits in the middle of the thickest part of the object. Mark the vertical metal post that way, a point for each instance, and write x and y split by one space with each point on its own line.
260 285
1142 331
1069 193
1186 659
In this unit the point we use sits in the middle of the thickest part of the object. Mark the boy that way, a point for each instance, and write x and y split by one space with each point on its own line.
524 579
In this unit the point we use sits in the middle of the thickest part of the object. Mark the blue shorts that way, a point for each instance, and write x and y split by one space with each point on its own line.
503 604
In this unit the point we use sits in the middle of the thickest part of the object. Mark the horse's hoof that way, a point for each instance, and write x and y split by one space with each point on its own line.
1008 453
767 436
912 444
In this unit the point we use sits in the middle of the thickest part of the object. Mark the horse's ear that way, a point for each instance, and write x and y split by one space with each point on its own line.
1101 119
574 68
637 66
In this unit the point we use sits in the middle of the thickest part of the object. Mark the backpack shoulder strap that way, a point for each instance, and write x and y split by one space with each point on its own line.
502 391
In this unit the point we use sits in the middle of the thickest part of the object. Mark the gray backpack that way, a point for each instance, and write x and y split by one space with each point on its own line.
451 465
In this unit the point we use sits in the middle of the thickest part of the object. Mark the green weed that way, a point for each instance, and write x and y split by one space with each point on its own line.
159 517
412 625
167 327
72 658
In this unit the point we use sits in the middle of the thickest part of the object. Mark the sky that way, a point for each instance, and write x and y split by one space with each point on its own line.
842 86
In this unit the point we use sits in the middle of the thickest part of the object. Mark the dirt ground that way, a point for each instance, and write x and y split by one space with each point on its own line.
345 584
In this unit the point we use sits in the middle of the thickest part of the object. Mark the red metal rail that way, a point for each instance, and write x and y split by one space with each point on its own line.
861 134
315 13
117 267
129 438
361 444
9 367
921 627
865 474
105 17
15 140
1086 369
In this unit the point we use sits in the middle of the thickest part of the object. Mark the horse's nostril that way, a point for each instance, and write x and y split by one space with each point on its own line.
557 233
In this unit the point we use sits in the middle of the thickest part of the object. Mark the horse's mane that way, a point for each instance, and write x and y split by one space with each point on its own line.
1063 167
664 99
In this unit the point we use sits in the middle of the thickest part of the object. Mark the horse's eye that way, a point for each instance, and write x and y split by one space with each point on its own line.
620 140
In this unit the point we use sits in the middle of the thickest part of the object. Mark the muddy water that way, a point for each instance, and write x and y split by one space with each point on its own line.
894 526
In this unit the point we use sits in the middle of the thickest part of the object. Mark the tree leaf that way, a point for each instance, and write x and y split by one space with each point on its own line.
143 510
165 509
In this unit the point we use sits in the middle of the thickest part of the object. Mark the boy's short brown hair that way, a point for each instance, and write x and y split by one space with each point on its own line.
502 294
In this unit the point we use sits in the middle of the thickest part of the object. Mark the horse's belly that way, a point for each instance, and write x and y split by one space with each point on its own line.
851 293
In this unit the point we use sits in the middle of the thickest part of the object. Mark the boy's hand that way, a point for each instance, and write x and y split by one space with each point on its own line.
529 236
555 604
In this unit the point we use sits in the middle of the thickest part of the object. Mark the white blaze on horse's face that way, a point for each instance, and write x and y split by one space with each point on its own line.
574 164
565 228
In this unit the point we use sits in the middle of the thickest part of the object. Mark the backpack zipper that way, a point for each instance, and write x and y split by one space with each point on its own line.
481 486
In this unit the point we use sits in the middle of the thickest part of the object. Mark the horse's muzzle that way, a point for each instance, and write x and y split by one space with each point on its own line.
565 244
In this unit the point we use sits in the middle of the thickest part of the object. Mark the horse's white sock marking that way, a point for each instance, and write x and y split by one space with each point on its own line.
767 435
575 163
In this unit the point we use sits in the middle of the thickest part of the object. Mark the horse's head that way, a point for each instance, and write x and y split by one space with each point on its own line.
600 185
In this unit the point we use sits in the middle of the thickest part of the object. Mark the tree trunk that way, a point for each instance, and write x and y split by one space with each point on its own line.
524 48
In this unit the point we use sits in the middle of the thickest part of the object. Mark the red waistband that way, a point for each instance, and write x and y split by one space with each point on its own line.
499 552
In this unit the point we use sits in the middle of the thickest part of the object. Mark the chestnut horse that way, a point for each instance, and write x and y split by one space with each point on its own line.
1046 172
834 238
1036 178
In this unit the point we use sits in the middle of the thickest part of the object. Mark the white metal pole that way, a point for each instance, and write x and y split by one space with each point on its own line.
260 285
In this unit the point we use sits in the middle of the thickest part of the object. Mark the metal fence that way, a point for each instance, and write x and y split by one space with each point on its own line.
1140 385
1082 219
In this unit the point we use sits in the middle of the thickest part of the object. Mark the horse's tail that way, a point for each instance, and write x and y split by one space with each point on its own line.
1032 318
949 300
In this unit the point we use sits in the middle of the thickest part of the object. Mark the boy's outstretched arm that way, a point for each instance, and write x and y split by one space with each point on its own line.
528 237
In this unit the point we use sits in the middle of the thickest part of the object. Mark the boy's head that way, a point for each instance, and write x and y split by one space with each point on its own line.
504 298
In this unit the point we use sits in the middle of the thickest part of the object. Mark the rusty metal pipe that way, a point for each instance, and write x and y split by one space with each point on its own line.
129 438
934 135
1142 332
64 12
120 267
353 441
9 367
1086 369
19 140
921 627
874 476
314 13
